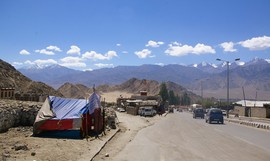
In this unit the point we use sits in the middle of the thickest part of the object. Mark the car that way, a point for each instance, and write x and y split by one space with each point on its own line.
214 115
224 112
121 109
198 112
148 111
140 111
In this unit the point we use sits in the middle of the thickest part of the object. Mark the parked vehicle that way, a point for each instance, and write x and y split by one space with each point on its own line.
214 115
148 111
198 112
140 111
224 112
121 109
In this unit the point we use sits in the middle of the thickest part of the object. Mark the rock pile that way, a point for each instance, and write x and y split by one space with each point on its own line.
110 118
17 113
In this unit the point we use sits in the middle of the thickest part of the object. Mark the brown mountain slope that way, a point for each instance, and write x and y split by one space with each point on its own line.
132 86
74 91
10 77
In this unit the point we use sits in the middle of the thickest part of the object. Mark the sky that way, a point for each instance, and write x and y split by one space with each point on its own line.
94 34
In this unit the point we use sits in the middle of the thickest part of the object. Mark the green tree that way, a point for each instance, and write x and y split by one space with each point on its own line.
185 99
172 98
163 92
177 100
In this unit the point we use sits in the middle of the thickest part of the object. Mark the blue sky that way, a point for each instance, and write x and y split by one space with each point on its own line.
92 34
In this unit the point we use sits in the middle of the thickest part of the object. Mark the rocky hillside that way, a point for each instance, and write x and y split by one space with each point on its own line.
10 77
69 90
131 86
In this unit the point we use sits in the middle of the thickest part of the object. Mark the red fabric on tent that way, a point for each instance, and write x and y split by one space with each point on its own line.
98 124
57 125
86 124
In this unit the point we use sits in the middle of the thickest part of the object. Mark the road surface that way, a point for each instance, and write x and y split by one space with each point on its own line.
180 137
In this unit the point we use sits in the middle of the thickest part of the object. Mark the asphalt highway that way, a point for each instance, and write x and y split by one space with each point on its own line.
180 137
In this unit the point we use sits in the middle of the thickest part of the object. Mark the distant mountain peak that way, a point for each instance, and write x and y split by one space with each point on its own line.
32 66
257 60
267 60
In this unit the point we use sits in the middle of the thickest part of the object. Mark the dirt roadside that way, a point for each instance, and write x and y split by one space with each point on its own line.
129 127
18 144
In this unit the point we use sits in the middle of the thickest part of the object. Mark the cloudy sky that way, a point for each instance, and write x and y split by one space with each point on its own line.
93 34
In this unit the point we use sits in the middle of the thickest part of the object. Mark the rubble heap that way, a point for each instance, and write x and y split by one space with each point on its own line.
17 113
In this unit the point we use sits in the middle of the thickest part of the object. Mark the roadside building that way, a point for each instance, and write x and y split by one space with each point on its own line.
7 93
253 108
132 104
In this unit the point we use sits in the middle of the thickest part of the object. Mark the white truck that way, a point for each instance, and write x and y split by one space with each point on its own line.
148 111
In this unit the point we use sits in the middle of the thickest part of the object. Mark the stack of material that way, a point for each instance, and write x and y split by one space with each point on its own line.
110 117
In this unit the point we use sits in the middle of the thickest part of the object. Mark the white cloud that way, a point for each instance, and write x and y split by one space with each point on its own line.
100 65
256 43
143 54
17 63
154 44
24 52
74 50
54 48
176 43
45 62
40 63
44 51
125 52
72 62
182 50
118 45
49 50
96 56
228 46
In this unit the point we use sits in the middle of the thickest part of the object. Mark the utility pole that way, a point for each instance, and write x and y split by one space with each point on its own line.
228 84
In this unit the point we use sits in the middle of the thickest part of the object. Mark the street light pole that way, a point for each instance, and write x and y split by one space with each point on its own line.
201 90
228 84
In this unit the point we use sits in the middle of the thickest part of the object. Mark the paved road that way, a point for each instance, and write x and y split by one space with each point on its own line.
180 137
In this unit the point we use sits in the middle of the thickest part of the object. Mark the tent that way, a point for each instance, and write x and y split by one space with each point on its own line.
59 113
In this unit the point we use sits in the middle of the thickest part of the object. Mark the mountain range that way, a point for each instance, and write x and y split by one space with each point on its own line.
133 87
253 76
10 77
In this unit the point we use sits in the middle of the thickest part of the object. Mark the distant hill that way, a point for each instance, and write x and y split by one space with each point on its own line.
10 77
133 86
56 76
252 75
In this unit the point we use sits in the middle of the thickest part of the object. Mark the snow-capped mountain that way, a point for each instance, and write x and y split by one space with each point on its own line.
57 75
207 67
51 75
217 68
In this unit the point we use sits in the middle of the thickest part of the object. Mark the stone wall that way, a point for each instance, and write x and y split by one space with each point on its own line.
261 112
258 112
17 113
